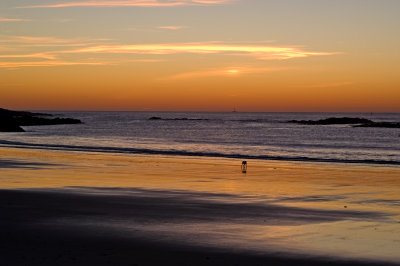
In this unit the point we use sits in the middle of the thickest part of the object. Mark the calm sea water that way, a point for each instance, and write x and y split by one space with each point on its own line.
232 135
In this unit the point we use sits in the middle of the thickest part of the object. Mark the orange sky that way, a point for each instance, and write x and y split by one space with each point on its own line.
288 55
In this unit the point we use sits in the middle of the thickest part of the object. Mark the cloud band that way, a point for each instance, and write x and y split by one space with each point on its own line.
257 51
132 3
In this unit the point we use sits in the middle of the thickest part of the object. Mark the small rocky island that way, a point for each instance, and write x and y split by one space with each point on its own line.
355 121
11 121
177 119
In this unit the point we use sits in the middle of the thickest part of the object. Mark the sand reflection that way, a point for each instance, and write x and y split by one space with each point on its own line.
296 208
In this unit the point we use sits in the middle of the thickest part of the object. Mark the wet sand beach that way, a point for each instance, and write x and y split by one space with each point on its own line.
69 208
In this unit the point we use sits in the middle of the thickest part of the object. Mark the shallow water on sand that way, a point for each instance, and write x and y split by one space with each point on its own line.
336 210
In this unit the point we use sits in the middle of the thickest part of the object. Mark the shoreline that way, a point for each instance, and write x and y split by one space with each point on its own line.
188 154
77 208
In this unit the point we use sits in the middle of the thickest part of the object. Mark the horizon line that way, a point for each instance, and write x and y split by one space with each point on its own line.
204 111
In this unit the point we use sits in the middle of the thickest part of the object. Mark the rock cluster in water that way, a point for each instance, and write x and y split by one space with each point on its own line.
355 121
11 121
333 121
177 119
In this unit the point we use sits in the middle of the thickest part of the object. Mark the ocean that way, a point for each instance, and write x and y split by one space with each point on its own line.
264 136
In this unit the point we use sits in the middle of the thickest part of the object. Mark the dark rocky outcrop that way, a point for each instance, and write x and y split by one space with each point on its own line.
40 121
333 121
11 121
155 118
355 121
21 113
8 124
177 119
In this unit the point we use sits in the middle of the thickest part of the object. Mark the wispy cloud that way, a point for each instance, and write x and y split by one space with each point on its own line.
221 72
36 55
171 27
3 19
39 51
262 51
148 60
132 3
45 64
48 43
58 50
44 40
257 51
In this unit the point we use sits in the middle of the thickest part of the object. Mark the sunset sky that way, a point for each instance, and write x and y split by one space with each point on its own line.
200 55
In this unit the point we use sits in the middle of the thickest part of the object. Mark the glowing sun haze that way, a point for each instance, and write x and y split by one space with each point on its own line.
200 55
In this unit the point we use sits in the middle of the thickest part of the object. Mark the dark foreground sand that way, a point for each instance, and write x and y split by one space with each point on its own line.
78 226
